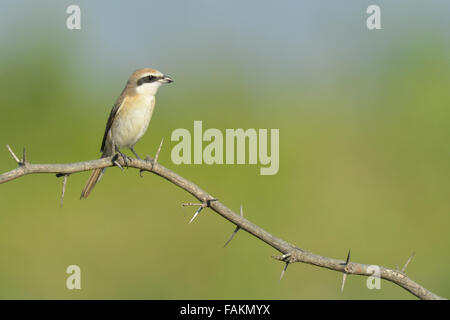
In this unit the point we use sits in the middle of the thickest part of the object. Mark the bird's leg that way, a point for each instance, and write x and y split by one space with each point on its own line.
135 153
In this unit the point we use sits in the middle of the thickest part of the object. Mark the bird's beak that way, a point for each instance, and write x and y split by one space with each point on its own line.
166 79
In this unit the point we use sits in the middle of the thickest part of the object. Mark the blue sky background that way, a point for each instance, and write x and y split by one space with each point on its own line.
288 39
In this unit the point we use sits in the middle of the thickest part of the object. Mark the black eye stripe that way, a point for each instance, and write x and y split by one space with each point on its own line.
147 79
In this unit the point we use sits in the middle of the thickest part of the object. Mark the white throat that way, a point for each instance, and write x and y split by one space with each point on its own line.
148 89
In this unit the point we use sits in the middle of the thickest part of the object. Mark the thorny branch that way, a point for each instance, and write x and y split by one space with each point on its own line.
291 253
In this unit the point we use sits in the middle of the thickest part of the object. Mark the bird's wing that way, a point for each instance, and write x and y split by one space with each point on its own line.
112 116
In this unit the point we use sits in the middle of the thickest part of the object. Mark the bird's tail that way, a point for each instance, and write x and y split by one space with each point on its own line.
94 177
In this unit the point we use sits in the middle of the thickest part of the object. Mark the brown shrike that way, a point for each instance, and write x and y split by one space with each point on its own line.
129 118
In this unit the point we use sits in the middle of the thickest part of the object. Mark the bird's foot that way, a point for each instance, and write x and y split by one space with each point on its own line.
124 157
147 159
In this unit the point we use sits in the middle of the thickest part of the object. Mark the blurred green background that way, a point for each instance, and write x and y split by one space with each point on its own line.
364 146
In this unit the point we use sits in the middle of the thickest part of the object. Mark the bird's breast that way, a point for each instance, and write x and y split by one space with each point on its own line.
132 120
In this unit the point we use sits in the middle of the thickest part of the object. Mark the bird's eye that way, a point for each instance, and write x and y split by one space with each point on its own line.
146 79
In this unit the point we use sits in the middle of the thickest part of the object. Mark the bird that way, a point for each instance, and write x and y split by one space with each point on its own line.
129 118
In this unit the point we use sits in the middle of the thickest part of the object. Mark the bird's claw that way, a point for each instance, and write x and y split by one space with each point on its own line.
147 159
124 157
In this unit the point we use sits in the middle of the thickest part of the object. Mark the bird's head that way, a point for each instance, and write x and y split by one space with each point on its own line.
147 81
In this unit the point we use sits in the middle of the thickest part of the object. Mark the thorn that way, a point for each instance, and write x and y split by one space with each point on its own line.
24 158
348 257
63 189
344 277
232 236
235 230
13 154
284 270
154 161
343 282
407 262
191 204
205 204
158 152
287 258
196 213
